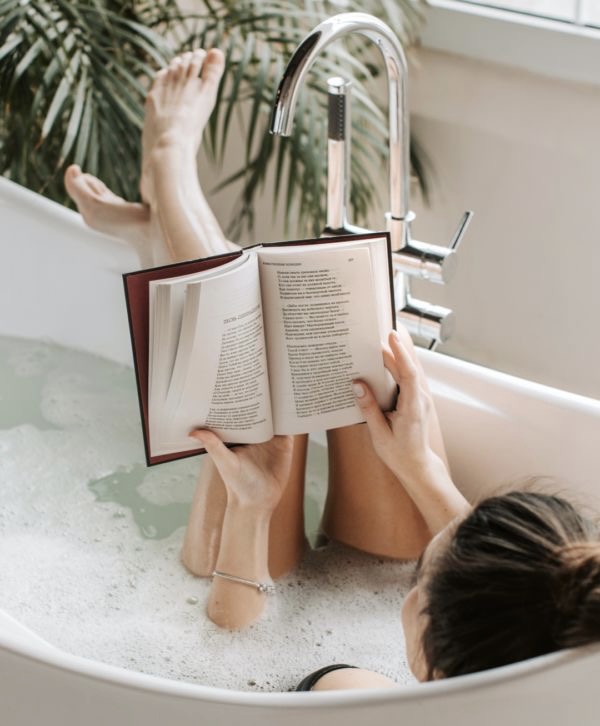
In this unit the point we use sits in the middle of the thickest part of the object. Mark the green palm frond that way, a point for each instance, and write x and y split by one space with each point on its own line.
73 77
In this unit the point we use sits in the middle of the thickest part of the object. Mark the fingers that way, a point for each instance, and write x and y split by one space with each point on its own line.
404 363
218 452
375 418
282 441
390 363
407 375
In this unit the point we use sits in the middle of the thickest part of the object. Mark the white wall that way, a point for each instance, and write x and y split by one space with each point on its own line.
523 152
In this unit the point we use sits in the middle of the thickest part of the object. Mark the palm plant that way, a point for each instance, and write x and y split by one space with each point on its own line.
73 77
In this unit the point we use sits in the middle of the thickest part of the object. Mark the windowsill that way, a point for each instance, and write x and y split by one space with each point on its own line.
548 47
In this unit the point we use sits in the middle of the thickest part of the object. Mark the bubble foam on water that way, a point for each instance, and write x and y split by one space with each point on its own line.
90 539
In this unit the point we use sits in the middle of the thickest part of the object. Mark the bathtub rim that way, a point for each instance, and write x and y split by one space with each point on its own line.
29 646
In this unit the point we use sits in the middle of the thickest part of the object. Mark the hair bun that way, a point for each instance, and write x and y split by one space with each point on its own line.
578 598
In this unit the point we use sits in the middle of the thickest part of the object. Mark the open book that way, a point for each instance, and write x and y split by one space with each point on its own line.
260 342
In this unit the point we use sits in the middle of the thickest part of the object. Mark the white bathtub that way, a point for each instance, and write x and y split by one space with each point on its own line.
59 281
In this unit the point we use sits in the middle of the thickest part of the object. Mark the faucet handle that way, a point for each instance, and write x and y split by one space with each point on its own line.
424 260
425 320
431 262
461 229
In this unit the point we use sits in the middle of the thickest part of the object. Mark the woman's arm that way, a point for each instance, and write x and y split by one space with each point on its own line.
401 438
255 477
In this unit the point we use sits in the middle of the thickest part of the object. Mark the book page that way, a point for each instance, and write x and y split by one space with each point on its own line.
166 300
219 378
322 331
166 304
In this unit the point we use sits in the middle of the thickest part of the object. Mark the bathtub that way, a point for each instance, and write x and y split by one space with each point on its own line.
497 427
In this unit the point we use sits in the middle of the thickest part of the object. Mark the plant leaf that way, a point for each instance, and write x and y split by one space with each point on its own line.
75 119
62 92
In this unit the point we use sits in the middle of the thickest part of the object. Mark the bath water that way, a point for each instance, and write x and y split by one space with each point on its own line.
90 540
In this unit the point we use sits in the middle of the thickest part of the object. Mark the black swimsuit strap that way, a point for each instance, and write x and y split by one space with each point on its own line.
307 684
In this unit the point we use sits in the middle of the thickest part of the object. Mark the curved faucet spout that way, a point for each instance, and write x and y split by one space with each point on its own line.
395 62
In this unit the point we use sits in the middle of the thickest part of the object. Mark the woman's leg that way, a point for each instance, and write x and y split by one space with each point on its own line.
177 109
287 540
176 223
366 505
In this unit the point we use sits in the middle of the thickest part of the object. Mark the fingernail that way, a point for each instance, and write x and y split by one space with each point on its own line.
358 389
395 335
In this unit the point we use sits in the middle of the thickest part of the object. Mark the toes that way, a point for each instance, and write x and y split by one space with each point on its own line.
72 171
161 75
84 189
70 179
97 186
176 68
213 67
71 174
189 65
159 80
196 62
80 185
186 59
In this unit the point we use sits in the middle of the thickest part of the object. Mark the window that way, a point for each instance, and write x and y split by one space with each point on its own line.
579 12
521 34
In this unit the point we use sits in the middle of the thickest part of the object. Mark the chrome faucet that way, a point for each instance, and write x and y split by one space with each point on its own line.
410 257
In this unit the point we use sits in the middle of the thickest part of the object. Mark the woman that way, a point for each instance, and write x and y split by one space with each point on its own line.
529 559
515 577
174 223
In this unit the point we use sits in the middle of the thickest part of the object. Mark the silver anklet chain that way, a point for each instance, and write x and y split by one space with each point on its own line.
264 587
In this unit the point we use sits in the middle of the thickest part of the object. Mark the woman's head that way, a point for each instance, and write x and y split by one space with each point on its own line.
517 578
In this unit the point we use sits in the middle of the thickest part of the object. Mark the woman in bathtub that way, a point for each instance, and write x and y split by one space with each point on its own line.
514 577
173 223
529 560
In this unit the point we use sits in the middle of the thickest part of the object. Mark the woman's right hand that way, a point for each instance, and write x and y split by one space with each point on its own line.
256 475
400 437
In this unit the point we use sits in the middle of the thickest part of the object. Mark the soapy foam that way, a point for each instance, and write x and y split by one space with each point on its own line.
90 540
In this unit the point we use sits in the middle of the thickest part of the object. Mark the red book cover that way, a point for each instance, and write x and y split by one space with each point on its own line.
138 312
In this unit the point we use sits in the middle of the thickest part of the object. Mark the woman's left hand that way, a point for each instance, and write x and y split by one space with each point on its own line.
255 475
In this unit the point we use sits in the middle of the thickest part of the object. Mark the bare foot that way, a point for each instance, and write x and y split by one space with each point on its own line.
106 212
178 107
177 110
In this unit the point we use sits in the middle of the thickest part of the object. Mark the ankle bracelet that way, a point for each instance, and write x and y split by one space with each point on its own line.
264 587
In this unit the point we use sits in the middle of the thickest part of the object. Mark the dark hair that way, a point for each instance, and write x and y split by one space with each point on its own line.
519 578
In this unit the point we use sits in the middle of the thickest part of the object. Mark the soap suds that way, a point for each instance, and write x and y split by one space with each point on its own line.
90 540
